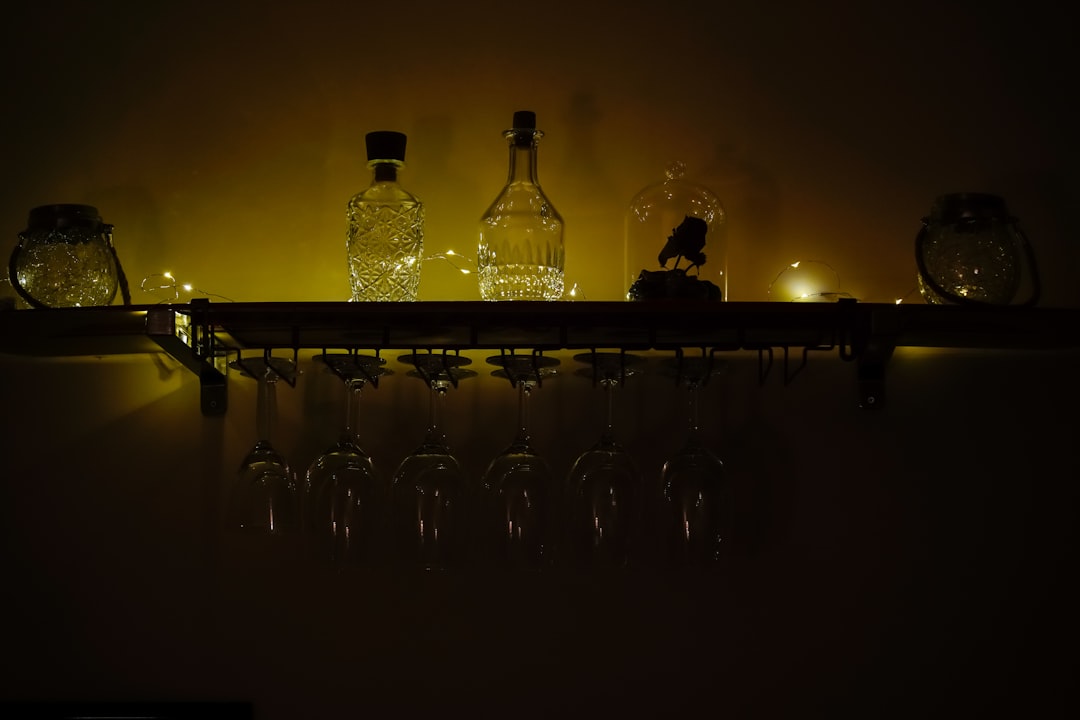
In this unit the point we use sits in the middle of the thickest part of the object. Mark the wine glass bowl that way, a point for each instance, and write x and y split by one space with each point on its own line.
429 486
345 495
518 488
605 484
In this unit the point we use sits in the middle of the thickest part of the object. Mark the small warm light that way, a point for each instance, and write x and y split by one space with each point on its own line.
807 281
909 293
187 287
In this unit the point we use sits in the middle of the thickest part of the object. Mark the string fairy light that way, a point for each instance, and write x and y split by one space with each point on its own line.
808 281
167 283
575 293
467 266
452 259
905 296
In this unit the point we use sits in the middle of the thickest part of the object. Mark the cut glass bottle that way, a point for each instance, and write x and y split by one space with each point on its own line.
385 234
521 254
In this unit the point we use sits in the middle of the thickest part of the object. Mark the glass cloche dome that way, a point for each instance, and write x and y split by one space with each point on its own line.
675 241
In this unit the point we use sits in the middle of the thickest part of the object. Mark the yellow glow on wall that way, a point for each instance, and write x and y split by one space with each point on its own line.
230 155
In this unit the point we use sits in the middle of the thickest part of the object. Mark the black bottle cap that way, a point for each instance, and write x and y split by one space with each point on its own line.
385 145
524 120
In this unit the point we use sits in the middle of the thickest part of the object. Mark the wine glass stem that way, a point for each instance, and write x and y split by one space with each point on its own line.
524 390
266 406
693 412
353 387
438 395
609 397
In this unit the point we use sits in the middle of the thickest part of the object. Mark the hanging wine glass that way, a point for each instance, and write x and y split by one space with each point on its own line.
695 521
518 488
429 485
266 495
346 498
604 482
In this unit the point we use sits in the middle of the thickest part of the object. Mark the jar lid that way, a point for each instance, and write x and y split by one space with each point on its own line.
54 217
385 145
958 207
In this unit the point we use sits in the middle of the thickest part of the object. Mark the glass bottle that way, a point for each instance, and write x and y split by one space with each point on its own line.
385 236
521 254
676 241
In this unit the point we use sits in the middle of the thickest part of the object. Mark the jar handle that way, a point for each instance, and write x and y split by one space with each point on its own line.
13 276
927 278
1036 281
121 278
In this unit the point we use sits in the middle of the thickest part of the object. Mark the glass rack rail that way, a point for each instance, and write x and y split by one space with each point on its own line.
204 336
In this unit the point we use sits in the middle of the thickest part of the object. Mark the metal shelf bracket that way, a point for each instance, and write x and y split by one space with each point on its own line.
872 346
189 339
